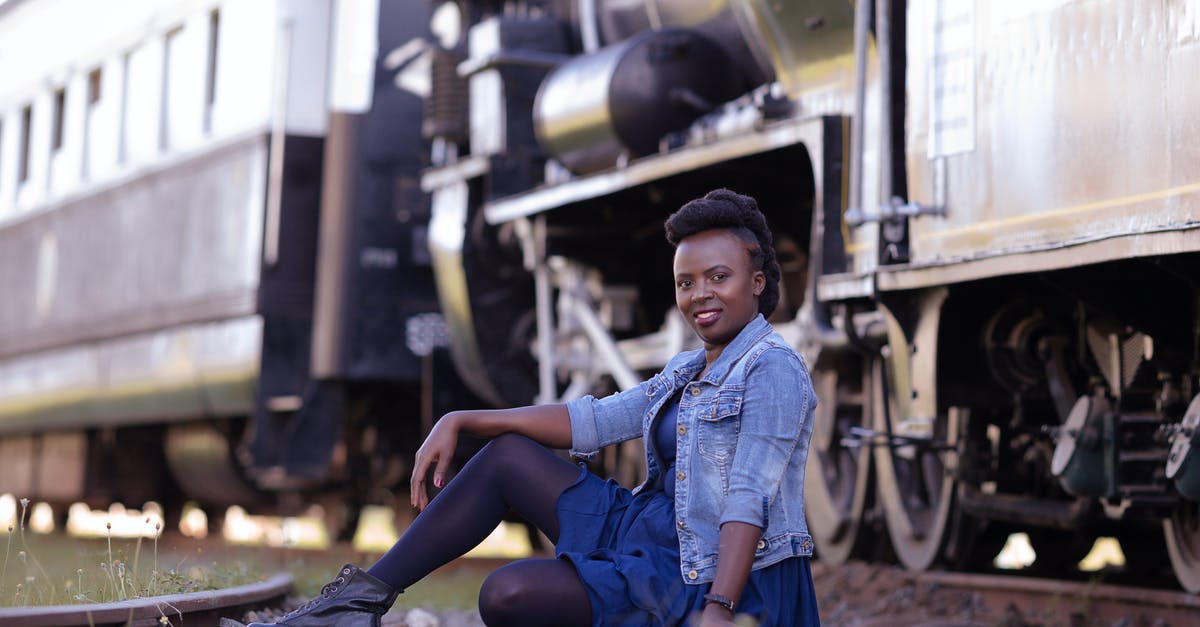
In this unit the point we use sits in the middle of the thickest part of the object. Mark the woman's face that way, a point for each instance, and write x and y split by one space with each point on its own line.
716 290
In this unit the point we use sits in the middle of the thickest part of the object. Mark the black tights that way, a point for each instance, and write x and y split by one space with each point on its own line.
511 473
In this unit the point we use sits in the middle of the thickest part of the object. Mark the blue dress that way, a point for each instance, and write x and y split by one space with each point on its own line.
626 551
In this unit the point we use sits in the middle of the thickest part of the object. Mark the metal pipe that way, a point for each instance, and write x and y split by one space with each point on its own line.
543 293
625 377
278 135
862 17
589 28
1065 515
883 41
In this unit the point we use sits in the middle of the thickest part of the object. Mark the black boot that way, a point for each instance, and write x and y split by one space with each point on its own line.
353 599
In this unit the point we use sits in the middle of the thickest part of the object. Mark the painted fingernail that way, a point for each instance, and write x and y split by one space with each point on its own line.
437 481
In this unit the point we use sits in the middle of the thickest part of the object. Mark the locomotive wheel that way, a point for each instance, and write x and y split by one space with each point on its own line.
916 487
838 479
1182 531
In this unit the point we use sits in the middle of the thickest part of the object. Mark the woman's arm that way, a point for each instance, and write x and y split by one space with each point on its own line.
735 556
547 424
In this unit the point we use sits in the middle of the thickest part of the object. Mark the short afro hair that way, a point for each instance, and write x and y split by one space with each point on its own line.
725 209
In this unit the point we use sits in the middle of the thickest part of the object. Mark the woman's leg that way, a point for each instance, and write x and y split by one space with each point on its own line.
511 472
532 593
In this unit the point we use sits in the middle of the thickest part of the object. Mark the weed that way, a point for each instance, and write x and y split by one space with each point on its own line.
112 571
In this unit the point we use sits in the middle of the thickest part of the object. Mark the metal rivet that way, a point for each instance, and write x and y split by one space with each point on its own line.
695 391
680 476
762 544
682 429
693 574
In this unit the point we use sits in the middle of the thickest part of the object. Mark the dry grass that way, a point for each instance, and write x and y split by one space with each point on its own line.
55 569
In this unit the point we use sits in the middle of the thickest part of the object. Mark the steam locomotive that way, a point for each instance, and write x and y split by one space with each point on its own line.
988 217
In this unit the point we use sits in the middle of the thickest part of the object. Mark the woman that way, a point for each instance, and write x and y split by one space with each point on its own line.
717 529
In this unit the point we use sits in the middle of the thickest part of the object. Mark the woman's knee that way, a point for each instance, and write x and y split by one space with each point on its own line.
505 598
514 442
509 448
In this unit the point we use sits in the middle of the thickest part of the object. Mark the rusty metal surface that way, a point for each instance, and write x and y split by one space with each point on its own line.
1082 126
193 608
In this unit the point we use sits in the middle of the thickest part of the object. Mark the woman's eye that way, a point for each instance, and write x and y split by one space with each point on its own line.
720 276
683 285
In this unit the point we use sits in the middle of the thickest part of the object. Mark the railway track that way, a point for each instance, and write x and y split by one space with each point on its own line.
193 608
855 594
1033 600
874 595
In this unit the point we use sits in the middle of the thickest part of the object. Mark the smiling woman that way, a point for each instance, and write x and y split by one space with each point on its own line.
717 529
725 266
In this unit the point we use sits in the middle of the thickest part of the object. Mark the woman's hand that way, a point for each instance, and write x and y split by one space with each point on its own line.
549 425
437 451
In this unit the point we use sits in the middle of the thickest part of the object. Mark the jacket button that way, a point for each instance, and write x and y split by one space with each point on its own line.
680 476
695 391
762 544
693 574
682 429
807 545
679 523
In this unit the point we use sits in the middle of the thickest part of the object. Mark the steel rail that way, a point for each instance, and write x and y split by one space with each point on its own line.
192 608
1055 601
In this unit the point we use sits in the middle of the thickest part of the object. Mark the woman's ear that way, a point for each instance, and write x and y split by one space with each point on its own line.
760 282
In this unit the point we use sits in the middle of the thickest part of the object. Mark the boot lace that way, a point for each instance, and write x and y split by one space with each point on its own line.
327 591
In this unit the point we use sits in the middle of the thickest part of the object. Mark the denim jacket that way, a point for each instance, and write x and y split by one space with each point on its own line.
741 444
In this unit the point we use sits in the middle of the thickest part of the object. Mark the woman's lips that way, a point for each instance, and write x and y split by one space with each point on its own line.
707 317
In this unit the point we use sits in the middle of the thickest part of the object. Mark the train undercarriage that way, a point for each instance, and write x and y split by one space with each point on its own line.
1059 402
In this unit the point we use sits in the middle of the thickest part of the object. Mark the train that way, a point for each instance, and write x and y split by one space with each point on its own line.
987 216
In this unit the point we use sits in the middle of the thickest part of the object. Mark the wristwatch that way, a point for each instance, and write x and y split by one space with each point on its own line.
723 601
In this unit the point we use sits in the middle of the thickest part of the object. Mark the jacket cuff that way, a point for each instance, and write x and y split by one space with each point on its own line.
585 439
746 508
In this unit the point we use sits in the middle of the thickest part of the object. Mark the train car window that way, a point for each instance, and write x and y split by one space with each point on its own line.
123 117
210 73
56 132
170 58
93 87
94 83
23 147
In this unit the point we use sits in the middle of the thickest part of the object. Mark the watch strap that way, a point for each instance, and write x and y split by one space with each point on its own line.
723 601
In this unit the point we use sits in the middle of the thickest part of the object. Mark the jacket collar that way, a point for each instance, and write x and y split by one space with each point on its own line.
751 334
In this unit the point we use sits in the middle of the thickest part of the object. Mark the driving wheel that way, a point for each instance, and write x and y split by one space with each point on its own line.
837 481
1182 531
916 486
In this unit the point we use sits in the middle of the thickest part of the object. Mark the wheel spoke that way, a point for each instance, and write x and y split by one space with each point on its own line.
916 491
836 483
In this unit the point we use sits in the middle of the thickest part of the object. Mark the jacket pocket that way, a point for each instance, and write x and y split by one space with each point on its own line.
717 427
